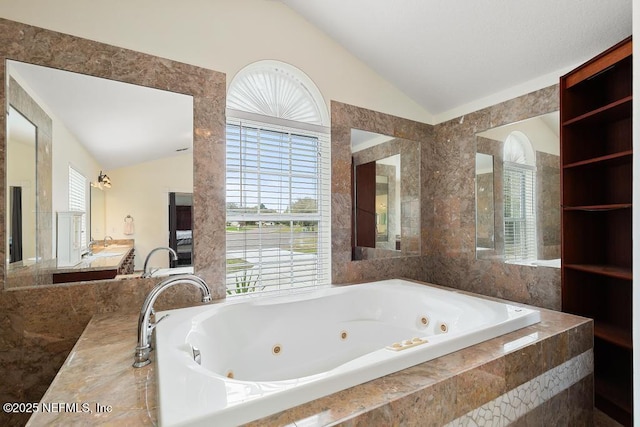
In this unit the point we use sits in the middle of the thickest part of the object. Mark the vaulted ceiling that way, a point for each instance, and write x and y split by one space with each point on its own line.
450 56
447 54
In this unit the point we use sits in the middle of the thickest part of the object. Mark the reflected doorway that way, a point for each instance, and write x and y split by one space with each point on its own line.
181 228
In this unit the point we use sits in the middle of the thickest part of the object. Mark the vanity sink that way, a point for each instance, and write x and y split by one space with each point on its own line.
93 257
101 265
106 254
162 272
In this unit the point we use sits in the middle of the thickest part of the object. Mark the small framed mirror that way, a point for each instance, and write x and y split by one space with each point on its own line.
386 196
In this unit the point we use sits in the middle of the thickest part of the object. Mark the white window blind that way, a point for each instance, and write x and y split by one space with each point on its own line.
78 198
519 212
277 189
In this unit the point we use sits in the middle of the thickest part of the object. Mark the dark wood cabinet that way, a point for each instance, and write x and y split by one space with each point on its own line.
596 156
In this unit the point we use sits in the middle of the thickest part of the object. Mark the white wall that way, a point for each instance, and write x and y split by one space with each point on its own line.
223 35
67 151
142 191
542 138
21 172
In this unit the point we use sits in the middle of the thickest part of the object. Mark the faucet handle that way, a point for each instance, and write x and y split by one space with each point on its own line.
154 324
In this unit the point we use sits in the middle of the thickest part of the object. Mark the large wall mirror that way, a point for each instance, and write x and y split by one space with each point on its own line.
518 192
111 151
386 199
185 115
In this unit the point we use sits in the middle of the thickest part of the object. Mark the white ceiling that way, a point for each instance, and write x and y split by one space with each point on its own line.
446 54
120 124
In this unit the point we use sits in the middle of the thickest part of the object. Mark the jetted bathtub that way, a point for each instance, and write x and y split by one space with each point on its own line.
231 363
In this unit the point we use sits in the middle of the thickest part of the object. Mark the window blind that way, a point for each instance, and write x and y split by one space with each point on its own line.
78 198
277 189
519 212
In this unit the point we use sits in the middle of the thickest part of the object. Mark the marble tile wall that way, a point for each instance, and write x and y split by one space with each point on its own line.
450 198
40 324
548 213
489 146
485 227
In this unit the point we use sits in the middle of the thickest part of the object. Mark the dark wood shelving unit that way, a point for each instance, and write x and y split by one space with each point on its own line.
612 111
613 334
604 270
596 156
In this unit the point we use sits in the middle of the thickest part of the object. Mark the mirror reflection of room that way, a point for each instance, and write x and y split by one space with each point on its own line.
518 192
485 212
21 182
181 230
386 196
382 209
107 163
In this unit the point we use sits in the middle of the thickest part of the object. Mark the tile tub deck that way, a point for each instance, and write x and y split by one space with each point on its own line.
541 374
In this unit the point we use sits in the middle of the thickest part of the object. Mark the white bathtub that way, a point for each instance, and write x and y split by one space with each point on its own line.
286 350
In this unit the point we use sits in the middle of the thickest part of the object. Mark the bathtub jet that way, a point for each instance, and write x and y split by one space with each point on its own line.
231 363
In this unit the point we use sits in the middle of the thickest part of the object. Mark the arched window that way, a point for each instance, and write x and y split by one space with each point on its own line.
279 90
277 181
520 243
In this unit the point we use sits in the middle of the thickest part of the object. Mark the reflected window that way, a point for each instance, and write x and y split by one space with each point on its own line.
78 199
519 199
277 181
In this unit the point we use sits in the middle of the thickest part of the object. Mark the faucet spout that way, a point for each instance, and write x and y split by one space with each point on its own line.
105 240
146 326
172 252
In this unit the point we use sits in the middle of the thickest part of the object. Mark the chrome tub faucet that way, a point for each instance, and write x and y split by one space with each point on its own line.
174 257
146 326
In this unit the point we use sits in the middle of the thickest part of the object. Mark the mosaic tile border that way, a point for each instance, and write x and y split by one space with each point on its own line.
517 402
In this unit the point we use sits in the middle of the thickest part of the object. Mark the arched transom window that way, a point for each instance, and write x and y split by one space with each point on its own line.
278 181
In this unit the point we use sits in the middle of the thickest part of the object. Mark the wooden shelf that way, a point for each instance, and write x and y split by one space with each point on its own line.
599 208
603 270
614 111
608 160
614 400
613 334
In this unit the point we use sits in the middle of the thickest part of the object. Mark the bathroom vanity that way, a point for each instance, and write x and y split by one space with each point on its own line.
541 374
106 262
